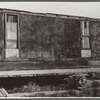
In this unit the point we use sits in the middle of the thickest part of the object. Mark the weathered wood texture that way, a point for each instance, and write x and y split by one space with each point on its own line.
1 35
47 37
73 33
95 39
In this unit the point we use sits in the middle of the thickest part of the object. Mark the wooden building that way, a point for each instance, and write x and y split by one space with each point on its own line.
25 35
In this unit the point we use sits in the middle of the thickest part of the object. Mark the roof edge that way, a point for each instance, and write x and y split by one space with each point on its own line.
49 14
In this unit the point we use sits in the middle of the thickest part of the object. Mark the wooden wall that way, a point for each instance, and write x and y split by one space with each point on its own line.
48 37
1 35
95 39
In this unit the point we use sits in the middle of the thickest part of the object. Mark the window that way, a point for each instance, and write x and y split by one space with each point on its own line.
85 42
85 25
11 18
11 44
85 28
85 35
11 31
85 52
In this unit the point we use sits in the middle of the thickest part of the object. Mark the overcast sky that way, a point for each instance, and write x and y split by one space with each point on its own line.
88 9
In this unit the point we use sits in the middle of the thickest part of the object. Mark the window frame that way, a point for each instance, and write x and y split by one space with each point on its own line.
18 38
83 35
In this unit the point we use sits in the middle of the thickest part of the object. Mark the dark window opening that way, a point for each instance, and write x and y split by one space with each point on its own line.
85 24
11 18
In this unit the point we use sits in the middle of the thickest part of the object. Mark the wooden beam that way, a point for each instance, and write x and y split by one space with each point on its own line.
24 73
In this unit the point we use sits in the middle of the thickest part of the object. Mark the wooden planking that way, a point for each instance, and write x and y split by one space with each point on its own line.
24 73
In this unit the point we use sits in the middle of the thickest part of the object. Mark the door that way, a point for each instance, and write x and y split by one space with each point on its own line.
11 41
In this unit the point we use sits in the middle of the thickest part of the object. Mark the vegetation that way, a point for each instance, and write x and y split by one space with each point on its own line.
70 88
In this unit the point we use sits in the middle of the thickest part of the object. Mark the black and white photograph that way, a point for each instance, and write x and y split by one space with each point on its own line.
49 49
